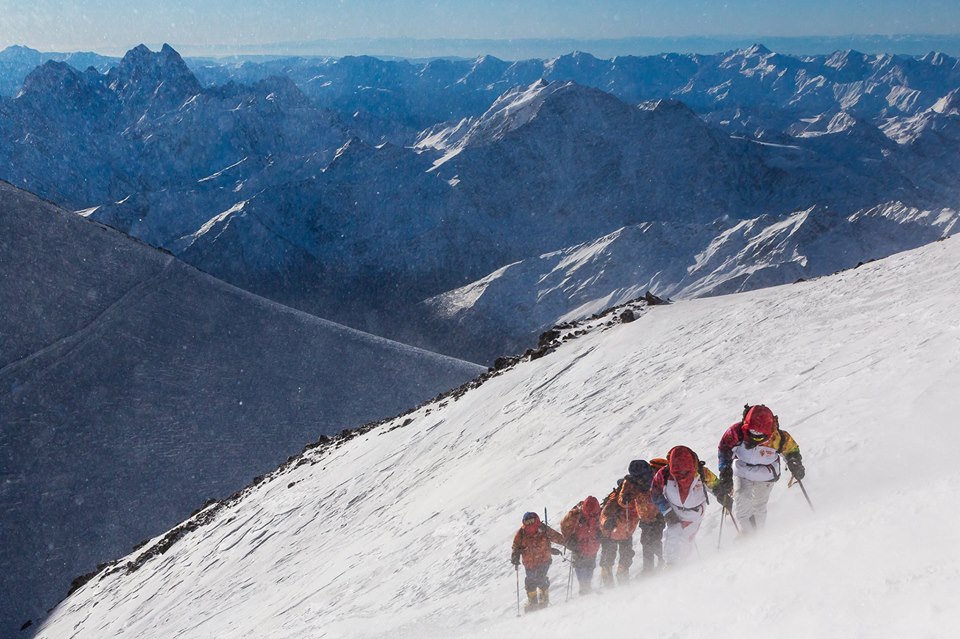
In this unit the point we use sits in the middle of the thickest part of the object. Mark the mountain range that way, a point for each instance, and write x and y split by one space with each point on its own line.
314 188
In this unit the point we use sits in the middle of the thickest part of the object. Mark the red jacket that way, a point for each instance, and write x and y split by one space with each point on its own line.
581 532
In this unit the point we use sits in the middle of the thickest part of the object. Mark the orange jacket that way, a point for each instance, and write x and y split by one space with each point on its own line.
620 514
647 511
535 547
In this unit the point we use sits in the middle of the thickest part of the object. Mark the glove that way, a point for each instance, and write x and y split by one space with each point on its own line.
609 523
515 560
671 517
555 551
725 499
795 464
725 485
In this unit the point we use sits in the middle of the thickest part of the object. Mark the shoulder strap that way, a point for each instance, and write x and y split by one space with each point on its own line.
783 441
703 480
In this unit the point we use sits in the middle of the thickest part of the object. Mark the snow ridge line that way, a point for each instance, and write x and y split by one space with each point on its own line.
70 342
549 342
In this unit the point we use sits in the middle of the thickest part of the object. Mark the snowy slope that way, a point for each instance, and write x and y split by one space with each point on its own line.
404 530
133 388
508 308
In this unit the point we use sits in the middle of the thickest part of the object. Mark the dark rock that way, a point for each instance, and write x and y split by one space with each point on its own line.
627 316
549 336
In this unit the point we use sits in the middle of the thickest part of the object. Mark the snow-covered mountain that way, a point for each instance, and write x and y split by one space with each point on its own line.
750 88
88 138
509 307
547 166
403 530
134 387
258 185
16 63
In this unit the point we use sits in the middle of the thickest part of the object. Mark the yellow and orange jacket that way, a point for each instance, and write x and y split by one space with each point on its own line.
733 445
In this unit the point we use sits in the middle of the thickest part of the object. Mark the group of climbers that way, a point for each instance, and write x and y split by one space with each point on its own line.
666 498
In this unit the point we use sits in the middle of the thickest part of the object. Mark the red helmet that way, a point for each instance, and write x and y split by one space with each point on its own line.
591 507
758 423
684 466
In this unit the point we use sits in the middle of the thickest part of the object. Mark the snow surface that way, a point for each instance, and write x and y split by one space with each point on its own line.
404 531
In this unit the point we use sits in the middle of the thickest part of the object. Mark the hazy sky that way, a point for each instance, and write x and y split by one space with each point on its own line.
113 26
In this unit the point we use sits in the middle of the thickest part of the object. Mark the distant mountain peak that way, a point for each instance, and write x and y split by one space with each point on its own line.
938 58
282 87
60 82
756 50
488 59
48 75
20 53
843 59
144 77
948 104
511 110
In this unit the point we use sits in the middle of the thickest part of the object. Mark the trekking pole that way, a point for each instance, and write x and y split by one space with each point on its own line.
733 519
570 581
517 568
805 495
723 515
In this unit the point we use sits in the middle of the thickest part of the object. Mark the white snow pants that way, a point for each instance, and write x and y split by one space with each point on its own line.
678 540
750 500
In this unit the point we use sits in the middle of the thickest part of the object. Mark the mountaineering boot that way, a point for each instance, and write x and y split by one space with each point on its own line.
606 576
544 597
623 575
532 603
585 588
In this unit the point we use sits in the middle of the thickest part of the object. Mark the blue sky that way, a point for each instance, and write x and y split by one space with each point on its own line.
113 26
